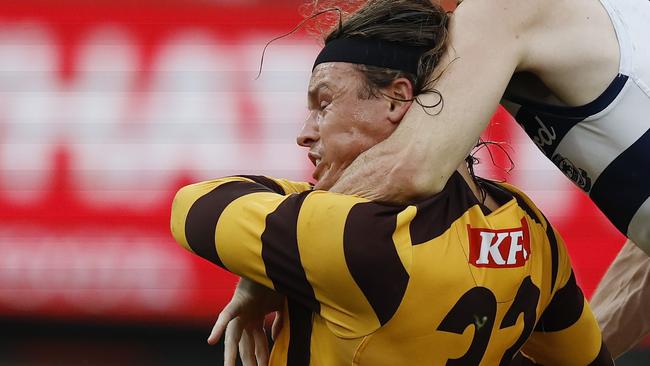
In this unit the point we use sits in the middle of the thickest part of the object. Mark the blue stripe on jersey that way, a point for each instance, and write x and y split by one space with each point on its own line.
547 124
624 185
546 131
594 107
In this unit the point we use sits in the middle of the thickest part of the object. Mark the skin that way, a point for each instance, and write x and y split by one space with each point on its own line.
569 47
622 288
340 127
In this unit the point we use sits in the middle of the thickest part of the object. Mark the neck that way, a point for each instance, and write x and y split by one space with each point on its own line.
464 172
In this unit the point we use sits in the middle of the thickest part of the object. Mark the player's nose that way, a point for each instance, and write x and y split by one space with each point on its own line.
309 133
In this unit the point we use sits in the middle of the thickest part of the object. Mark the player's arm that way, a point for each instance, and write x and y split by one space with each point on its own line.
224 220
567 332
488 42
622 300
317 248
278 185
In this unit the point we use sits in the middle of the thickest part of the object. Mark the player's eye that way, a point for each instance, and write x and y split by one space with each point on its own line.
323 105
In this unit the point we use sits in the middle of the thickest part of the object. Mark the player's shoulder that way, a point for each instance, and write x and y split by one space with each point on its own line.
505 30
524 202
513 190
502 14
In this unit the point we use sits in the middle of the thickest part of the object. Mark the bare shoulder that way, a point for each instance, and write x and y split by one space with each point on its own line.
569 44
507 17
503 29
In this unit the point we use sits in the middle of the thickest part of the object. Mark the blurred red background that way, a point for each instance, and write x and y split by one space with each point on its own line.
106 108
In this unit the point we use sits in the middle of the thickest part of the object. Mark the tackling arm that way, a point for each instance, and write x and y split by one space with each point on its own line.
487 45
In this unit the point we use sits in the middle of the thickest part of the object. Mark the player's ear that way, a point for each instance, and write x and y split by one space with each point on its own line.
399 94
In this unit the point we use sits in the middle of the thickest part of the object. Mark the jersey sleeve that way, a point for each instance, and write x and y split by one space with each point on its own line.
320 249
279 185
567 332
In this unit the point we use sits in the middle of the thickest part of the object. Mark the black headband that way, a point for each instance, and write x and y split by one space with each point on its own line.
374 52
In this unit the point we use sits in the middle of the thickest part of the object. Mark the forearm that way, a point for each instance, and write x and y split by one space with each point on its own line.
622 300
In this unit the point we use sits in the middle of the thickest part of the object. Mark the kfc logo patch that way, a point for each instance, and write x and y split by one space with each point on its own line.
506 248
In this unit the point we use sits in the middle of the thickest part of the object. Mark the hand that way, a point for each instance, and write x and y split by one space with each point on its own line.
379 174
242 320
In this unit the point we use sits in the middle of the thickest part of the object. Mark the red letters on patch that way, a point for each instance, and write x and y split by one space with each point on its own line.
505 248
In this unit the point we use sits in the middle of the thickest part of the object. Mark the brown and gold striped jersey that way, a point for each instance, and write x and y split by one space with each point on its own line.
441 281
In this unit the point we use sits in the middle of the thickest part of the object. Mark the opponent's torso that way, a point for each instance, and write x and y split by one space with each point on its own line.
603 146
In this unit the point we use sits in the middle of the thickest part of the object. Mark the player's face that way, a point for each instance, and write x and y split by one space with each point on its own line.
341 124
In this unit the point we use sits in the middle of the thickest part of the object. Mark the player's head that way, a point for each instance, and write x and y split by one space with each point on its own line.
343 121
372 66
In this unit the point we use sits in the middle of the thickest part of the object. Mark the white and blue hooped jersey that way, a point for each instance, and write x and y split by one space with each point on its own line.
604 146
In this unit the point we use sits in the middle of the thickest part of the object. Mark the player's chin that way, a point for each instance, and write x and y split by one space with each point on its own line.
325 181
322 185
